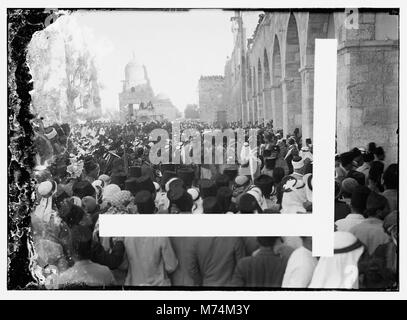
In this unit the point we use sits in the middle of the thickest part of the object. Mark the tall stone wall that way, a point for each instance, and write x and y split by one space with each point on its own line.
367 99
211 89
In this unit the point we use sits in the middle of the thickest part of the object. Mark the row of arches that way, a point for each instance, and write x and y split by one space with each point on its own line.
280 72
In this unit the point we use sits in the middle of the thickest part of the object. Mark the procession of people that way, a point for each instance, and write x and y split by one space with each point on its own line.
95 168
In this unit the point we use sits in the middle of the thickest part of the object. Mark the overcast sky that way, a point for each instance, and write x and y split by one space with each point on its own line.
176 47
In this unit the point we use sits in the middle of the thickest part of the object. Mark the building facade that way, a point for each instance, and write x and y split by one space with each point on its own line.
279 73
137 100
211 97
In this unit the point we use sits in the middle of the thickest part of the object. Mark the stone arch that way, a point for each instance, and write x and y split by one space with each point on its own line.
267 87
276 89
260 111
292 95
320 25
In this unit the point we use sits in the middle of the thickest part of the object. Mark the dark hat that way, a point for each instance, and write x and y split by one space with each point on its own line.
222 180
265 183
231 173
248 203
224 198
181 198
167 175
145 202
346 158
83 188
359 198
211 205
118 178
358 176
186 175
142 183
131 185
168 167
376 204
90 165
134 171
207 188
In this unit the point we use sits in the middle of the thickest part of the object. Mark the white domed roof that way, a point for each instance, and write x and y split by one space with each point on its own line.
134 73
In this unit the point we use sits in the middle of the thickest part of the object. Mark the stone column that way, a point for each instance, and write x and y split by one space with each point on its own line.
367 99
277 106
292 117
307 78
268 113
260 107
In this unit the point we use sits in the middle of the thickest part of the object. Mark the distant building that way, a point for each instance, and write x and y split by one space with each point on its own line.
137 100
211 90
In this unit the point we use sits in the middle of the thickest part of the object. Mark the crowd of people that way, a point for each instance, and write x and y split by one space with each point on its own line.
98 168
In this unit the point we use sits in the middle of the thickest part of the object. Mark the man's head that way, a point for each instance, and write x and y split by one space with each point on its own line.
391 177
376 206
359 199
81 240
298 164
346 160
267 242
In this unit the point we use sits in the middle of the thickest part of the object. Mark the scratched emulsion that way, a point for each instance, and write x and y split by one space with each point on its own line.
22 24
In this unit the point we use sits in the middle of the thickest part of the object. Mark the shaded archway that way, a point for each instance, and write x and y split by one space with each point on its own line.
320 26
260 111
255 110
276 89
249 93
267 88
292 95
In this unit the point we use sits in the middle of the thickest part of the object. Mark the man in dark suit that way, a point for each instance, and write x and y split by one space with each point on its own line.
213 260
263 269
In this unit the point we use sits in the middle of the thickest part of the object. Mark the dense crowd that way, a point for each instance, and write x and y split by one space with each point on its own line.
103 168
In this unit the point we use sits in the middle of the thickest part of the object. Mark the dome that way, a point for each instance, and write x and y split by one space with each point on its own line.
134 73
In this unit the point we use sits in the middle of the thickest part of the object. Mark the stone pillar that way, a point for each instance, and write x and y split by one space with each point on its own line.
307 79
291 105
268 114
367 99
277 106
260 107
255 109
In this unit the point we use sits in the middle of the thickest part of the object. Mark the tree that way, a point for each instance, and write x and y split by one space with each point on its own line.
191 111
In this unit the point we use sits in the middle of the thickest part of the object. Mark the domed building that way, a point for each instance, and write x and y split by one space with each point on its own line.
137 100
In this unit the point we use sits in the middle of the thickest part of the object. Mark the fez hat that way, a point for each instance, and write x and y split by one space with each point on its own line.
222 180
186 175
207 188
118 178
210 205
231 173
181 198
82 189
134 171
265 183
145 202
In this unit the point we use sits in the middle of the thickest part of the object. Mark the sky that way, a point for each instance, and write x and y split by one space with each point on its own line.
176 48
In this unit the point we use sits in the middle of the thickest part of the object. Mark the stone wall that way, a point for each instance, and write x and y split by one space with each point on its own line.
211 89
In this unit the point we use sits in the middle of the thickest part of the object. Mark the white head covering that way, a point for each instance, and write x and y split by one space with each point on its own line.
294 195
258 195
308 186
341 270
198 202
109 191
44 209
